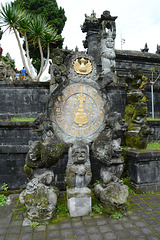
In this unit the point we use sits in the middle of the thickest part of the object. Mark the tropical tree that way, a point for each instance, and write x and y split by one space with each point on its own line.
31 27
53 14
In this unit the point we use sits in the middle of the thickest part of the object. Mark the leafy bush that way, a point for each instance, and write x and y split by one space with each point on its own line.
3 199
5 187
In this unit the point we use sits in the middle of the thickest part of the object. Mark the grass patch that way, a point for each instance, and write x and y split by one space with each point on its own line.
150 146
153 146
16 119
153 119
61 210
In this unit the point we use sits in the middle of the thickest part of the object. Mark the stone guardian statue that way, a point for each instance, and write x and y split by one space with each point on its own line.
78 176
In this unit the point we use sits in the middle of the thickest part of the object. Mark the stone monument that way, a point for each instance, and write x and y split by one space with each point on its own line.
79 117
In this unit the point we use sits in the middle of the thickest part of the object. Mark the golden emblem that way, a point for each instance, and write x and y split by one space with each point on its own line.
80 116
82 66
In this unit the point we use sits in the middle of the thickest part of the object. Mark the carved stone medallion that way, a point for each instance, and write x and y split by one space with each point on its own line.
79 112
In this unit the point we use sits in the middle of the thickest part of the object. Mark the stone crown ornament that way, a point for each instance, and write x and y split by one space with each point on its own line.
82 66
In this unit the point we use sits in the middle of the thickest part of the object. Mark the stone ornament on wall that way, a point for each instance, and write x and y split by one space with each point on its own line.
82 66
82 69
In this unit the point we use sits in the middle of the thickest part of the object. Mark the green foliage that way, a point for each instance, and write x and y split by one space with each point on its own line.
46 8
46 223
9 61
5 187
96 183
117 215
54 15
96 209
34 224
5 58
3 199
127 181
61 210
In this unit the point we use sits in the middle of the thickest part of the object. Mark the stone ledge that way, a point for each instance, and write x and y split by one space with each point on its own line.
24 83
10 124
132 54
144 156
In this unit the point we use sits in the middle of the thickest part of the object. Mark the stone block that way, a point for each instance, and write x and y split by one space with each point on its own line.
79 201
144 169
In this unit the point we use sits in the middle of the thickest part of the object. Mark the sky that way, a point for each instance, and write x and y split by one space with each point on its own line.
138 23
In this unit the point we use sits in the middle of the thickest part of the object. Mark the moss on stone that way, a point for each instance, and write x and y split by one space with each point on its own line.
134 140
28 171
37 198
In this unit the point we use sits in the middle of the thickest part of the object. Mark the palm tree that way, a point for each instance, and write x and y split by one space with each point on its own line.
23 28
11 15
31 27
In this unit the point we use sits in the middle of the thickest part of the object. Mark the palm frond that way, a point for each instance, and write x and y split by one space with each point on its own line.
10 15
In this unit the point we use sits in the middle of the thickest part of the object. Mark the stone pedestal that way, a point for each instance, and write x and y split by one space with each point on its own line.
144 170
79 201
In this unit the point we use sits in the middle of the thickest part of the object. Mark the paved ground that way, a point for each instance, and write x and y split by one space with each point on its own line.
141 222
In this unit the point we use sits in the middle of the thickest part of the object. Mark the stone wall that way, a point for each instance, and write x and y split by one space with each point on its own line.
23 99
127 59
14 137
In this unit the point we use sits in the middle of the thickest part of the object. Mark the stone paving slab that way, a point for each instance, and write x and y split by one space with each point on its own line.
141 222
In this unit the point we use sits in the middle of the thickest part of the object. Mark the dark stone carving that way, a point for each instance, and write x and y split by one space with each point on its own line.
145 49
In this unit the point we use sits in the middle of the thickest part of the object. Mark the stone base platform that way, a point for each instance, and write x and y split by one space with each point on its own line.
79 201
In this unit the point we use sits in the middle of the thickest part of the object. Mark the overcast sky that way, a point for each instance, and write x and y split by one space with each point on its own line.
138 23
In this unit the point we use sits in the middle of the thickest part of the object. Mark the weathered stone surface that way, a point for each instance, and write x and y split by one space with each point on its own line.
79 201
136 111
114 194
39 197
78 176
41 155
144 170
78 172
6 71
